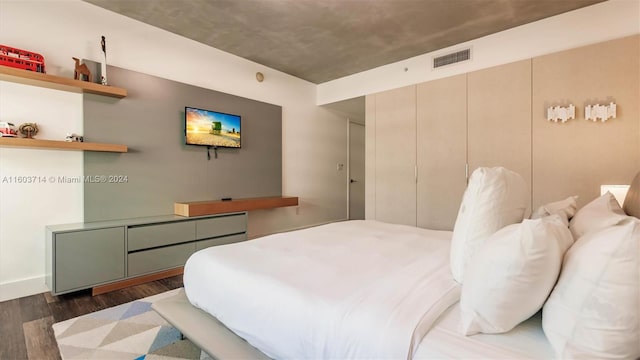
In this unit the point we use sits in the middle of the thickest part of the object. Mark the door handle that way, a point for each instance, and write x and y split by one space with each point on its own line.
352 181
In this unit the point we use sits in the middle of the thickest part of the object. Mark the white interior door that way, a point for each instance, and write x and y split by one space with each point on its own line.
356 171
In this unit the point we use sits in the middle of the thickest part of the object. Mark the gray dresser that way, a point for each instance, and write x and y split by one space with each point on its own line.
84 255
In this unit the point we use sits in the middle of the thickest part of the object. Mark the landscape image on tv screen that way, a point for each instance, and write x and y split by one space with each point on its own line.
211 128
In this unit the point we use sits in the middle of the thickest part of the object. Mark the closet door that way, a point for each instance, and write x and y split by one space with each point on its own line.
395 156
370 157
499 118
442 151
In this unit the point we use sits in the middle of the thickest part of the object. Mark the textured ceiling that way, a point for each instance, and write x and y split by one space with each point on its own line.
322 40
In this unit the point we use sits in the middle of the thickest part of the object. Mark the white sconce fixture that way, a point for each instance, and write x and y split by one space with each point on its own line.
602 112
555 113
618 191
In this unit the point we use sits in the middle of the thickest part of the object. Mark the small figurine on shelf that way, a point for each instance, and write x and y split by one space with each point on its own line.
80 70
103 44
74 138
28 129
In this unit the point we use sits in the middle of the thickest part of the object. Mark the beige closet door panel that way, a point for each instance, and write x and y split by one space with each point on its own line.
442 151
500 118
370 158
576 157
395 152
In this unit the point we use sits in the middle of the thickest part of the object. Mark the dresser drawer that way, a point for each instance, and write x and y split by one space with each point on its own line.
222 225
148 261
203 244
149 236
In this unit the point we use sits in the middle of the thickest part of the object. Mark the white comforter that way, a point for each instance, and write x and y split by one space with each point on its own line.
356 289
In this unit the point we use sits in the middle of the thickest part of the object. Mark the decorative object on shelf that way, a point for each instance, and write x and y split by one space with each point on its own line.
602 112
260 77
561 113
95 68
28 130
71 137
81 70
21 59
7 129
103 78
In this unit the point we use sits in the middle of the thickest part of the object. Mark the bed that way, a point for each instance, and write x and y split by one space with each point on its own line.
267 298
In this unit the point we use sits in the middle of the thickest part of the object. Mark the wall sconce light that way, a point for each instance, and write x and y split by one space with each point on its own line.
602 112
618 191
555 113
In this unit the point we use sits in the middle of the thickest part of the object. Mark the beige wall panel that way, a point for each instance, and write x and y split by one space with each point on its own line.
395 152
576 157
499 118
370 158
442 151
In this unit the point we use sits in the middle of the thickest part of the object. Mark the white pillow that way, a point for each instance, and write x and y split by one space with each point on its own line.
566 208
597 215
593 312
494 198
511 276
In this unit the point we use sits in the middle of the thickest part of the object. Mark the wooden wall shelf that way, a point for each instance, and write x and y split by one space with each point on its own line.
199 208
59 83
61 145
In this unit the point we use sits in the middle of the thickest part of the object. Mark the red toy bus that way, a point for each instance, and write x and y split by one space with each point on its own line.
21 59
8 129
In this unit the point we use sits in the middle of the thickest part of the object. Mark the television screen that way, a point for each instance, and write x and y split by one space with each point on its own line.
211 128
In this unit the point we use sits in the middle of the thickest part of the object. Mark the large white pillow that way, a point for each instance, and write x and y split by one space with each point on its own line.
510 277
593 312
494 198
596 215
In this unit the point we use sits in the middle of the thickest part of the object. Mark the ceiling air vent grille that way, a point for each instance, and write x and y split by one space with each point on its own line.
452 58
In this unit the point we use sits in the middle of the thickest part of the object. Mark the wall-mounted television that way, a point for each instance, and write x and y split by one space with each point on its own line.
211 128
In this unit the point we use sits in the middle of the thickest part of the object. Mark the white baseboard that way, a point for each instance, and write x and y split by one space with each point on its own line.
22 288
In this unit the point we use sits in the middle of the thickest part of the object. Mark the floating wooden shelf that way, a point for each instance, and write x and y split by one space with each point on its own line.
61 145
199 208
59 83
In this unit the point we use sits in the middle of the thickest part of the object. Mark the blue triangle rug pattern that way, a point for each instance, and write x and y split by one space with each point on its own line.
128 331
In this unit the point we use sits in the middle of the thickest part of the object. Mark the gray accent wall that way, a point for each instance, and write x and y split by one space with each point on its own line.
159 168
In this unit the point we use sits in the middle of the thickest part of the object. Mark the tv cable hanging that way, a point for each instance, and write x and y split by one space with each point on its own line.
215 151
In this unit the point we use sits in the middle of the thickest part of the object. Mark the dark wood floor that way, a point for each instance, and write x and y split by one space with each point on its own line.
25 323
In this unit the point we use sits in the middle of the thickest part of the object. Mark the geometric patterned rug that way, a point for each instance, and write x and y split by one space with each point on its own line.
128 331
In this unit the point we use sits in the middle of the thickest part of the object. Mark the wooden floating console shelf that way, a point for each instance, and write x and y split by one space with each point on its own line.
61 145
59 83
199 208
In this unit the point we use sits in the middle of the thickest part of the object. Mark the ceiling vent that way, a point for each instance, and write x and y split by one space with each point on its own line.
456 57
